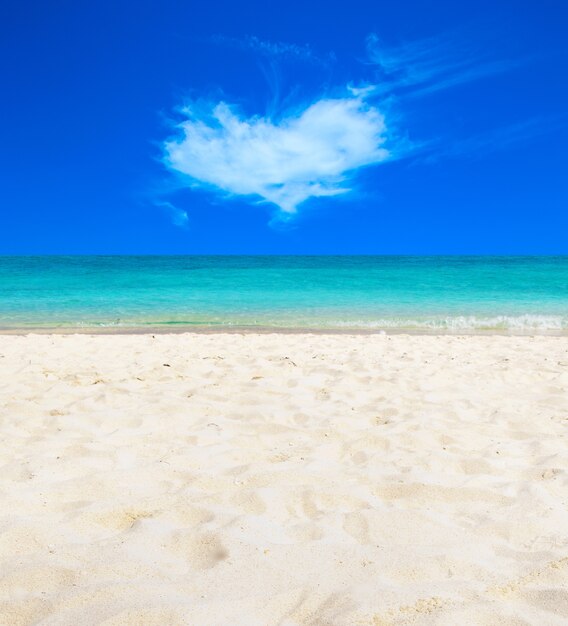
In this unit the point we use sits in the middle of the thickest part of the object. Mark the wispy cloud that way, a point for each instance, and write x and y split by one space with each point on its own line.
274 59
178 216
274 49
309 154
500 138
428 65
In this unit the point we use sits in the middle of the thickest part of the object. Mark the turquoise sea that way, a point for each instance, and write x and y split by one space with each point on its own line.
443 294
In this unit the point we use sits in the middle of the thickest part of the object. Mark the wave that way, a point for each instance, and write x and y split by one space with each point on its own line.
464 322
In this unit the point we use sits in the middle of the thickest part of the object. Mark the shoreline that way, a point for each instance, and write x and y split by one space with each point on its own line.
278 330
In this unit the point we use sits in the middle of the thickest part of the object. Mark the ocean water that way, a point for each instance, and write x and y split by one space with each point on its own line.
441 294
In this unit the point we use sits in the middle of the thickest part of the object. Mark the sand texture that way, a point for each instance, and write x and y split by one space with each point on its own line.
274 479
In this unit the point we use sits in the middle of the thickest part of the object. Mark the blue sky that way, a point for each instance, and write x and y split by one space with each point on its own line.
286 128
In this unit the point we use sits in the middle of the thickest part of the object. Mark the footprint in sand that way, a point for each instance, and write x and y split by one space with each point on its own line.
116 519
203 551
305 532
357 526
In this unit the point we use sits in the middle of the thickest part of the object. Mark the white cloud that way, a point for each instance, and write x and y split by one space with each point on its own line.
310 154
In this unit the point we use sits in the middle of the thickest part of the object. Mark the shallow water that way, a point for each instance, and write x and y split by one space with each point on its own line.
447 294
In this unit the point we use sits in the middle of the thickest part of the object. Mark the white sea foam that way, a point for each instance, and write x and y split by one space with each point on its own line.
525 322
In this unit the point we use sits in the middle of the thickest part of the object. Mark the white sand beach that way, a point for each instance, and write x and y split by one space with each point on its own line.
283 479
